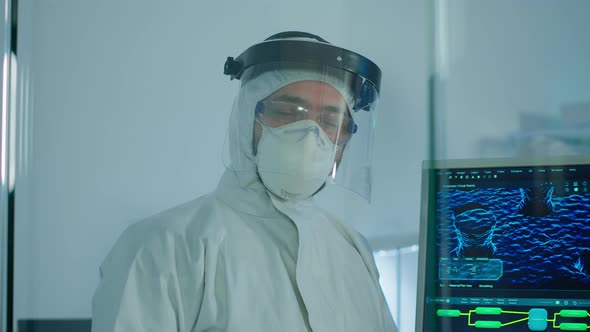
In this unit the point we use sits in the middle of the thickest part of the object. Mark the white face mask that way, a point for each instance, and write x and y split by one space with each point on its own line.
295 160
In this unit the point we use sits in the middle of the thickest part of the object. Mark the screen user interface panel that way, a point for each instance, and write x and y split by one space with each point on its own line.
508 249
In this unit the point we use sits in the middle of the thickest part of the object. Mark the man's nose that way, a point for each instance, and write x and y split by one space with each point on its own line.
315 116
315 132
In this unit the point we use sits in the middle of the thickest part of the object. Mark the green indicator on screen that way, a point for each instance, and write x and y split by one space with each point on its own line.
574 313
488 324
488 311
573 326
448 313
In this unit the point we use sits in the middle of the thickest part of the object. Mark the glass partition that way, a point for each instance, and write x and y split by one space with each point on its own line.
506 192
511 79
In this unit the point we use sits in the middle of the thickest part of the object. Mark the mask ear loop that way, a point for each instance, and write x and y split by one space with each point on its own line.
258 109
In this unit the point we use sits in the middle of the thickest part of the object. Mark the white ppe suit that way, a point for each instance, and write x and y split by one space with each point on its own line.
241 259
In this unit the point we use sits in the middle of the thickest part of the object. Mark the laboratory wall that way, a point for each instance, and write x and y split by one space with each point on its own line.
123 112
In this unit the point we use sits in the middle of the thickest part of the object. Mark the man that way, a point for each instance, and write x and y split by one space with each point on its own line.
257 254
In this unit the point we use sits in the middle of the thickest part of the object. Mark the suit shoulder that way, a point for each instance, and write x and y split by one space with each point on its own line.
188 226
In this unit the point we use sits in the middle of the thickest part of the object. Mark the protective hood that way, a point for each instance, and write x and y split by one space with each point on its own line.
241 159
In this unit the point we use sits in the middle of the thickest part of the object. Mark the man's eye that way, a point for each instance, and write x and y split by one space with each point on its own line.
278 111
285 109
287 112
333 119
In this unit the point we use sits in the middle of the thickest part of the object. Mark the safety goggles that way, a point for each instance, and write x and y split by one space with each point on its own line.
336 122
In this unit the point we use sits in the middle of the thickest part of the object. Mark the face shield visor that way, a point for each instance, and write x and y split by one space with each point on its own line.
304 116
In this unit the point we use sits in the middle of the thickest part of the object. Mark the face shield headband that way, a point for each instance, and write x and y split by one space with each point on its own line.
310 50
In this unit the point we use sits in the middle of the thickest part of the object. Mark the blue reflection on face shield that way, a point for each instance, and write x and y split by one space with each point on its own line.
365 98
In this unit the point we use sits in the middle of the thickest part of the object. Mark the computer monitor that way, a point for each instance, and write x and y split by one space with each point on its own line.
505 245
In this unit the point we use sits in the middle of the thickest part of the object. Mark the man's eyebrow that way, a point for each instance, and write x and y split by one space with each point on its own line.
291 99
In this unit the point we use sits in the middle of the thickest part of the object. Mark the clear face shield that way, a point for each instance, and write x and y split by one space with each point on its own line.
300 125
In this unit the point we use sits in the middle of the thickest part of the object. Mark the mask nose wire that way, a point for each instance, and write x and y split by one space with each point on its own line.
314 130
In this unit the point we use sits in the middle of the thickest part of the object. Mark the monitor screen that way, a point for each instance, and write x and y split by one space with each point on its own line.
505 247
